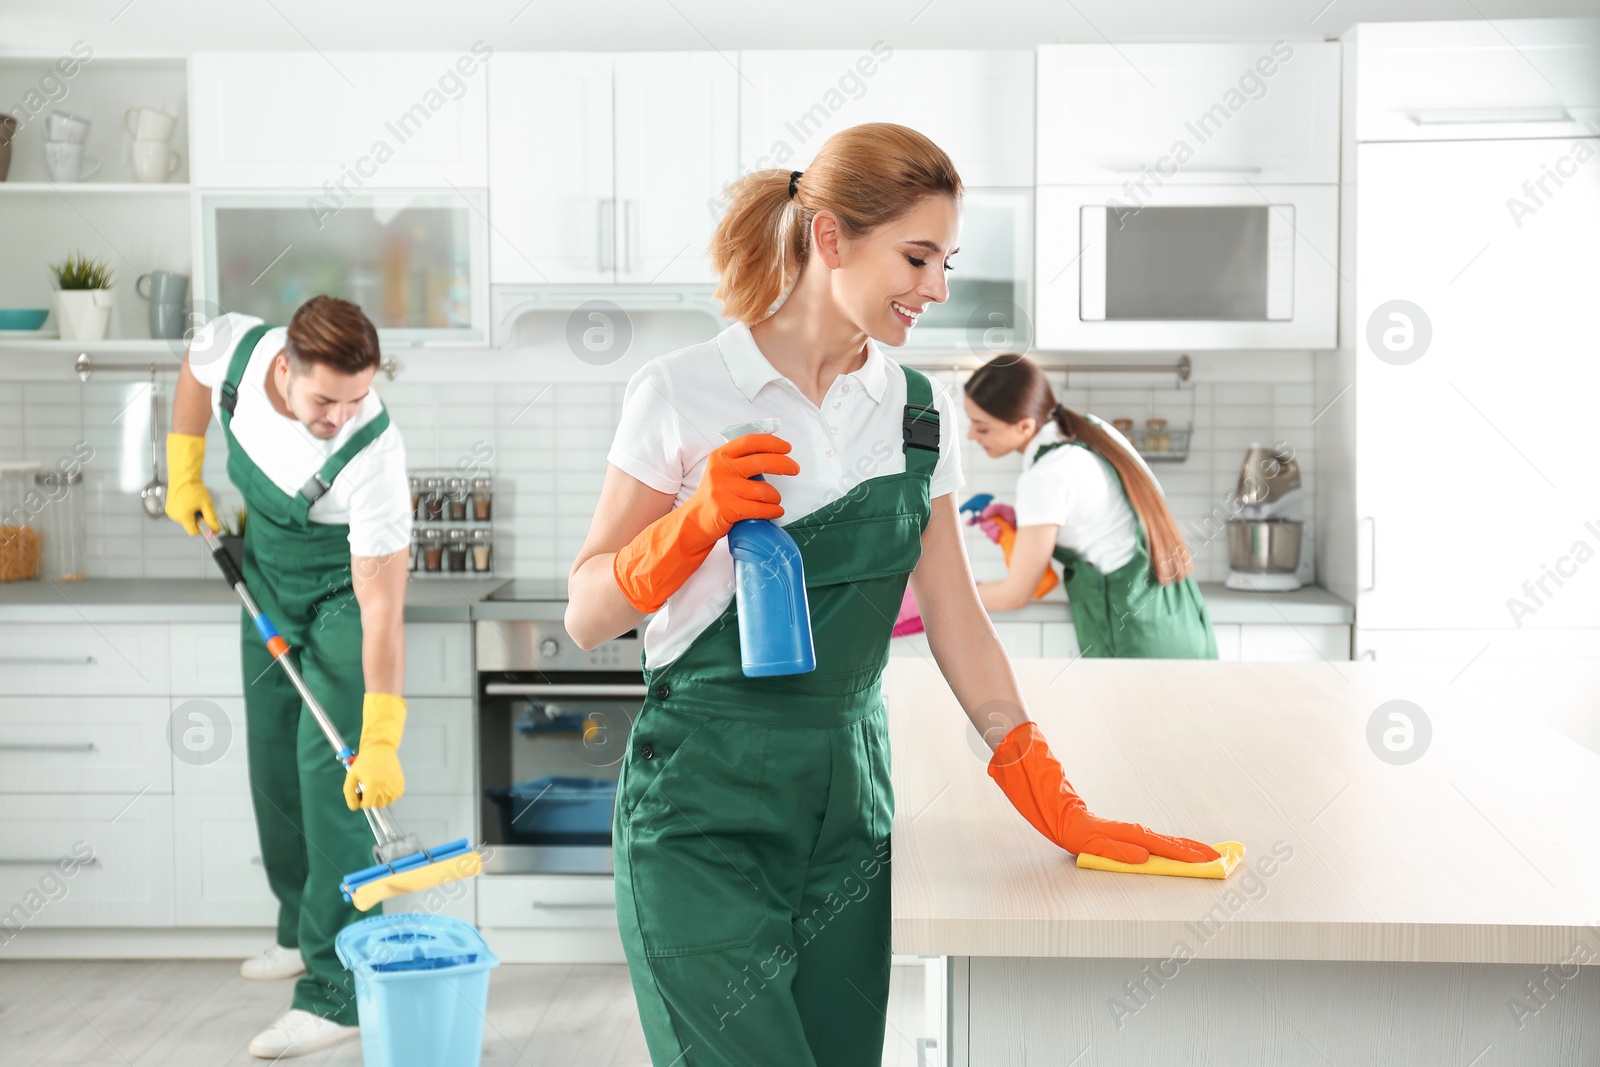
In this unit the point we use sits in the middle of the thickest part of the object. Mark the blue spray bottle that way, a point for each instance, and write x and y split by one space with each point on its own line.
774 618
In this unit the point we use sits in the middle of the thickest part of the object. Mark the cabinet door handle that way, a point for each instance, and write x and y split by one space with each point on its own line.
1372 554
48 661
47 746
1512 116
571 689
50 861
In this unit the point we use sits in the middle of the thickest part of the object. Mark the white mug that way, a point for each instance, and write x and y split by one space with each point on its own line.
65 161
62 126
148 124
153 161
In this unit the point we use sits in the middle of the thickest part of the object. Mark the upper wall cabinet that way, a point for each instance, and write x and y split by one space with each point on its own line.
1188 113
340 121
1472 80
976 105
608 167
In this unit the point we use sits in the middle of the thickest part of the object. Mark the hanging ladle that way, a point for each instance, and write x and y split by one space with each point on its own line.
154 495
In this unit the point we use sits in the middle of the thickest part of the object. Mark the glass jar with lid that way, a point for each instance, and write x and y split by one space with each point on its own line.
65 550
433 549
432 499
20 503
482 551
455 495
482 498
455 549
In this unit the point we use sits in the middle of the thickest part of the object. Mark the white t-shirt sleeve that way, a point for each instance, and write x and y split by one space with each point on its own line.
1061 487
947 476
211 347
380 502
648 443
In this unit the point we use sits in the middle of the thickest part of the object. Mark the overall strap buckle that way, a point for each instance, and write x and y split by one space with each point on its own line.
230 397
315 487
920 428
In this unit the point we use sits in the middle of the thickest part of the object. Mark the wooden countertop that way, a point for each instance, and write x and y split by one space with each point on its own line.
1484 850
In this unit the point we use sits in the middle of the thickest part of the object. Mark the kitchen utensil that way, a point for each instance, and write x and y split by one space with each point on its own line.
65 550
1264 536
23 318
66 127
65 161
403 865
154 495
148 124
154 161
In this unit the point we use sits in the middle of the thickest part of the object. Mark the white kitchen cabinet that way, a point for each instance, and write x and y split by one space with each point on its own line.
336 122
221 880
439 659
76 745
1280 643
1227 635
556 901
62 659
975 104
205 658
118 849
1476 79
1474 378
1158 114
608 167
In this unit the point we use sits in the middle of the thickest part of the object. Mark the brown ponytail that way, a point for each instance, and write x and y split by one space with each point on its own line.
866 175
1011 387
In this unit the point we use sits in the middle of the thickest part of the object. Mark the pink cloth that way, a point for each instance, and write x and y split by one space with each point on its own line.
909 621
986 520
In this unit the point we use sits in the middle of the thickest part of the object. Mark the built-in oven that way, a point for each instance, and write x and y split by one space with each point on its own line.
1150 266
553 725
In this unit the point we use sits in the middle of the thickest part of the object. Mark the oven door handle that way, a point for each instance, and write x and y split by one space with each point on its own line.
571 689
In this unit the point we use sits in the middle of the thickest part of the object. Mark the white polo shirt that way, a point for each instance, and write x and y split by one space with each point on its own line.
1078 491
371 493
676 407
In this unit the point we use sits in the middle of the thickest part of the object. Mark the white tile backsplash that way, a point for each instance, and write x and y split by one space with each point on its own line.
549 442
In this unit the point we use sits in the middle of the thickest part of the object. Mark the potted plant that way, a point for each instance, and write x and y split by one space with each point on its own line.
83 297
232 535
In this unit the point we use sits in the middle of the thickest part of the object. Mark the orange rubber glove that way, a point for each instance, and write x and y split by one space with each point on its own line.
1006 540
655 564
1033 781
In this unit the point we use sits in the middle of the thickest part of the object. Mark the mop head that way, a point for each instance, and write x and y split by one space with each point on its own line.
1221 867
420 870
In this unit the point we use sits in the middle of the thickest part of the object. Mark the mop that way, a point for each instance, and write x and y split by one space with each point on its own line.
403 866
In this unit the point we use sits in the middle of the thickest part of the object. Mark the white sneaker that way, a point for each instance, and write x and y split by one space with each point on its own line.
297 1032
275 961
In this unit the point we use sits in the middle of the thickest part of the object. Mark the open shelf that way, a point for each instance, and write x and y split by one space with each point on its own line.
94 188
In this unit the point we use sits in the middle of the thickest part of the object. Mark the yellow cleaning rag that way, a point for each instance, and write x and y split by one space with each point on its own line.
1221 867
456 868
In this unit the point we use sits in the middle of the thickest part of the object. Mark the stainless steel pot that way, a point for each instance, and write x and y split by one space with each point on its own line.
1264 546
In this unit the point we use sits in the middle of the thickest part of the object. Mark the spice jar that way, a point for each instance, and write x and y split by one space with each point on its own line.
482 544
1124 427
1156 437
455 542
432 550
19 537
416 547
482 498
455 495
433 499
61 498
416 496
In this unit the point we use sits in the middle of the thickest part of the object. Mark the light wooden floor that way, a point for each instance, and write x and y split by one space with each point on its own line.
191 1013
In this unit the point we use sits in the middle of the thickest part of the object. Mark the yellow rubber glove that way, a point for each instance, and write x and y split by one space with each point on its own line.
377 763
186 493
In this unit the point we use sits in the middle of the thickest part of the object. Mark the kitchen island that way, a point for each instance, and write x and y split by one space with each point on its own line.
1435 910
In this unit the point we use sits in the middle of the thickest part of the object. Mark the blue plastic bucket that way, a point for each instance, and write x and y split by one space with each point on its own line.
422 988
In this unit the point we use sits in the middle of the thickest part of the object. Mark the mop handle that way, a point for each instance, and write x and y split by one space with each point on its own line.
280 653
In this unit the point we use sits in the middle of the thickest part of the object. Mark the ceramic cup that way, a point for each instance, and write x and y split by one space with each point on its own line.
63 126
8 130
167 292
148 124
66 161
153 161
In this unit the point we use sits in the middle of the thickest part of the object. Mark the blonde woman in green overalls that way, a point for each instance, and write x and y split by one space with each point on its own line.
1086 499
751 829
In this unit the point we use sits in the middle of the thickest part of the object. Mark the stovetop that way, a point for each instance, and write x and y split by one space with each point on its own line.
532 590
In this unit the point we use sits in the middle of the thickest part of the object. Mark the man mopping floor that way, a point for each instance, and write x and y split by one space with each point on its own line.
323 474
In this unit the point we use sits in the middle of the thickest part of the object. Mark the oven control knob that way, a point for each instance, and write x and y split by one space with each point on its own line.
549 647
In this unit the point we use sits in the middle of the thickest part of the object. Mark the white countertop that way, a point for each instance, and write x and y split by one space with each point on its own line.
1485 850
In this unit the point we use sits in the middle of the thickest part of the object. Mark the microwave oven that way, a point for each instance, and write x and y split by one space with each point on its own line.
1186 267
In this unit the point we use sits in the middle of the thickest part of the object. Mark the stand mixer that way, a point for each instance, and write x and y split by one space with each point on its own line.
1264 537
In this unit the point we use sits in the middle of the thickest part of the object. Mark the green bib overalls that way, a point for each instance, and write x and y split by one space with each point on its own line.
751 833
1127 614
299 573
